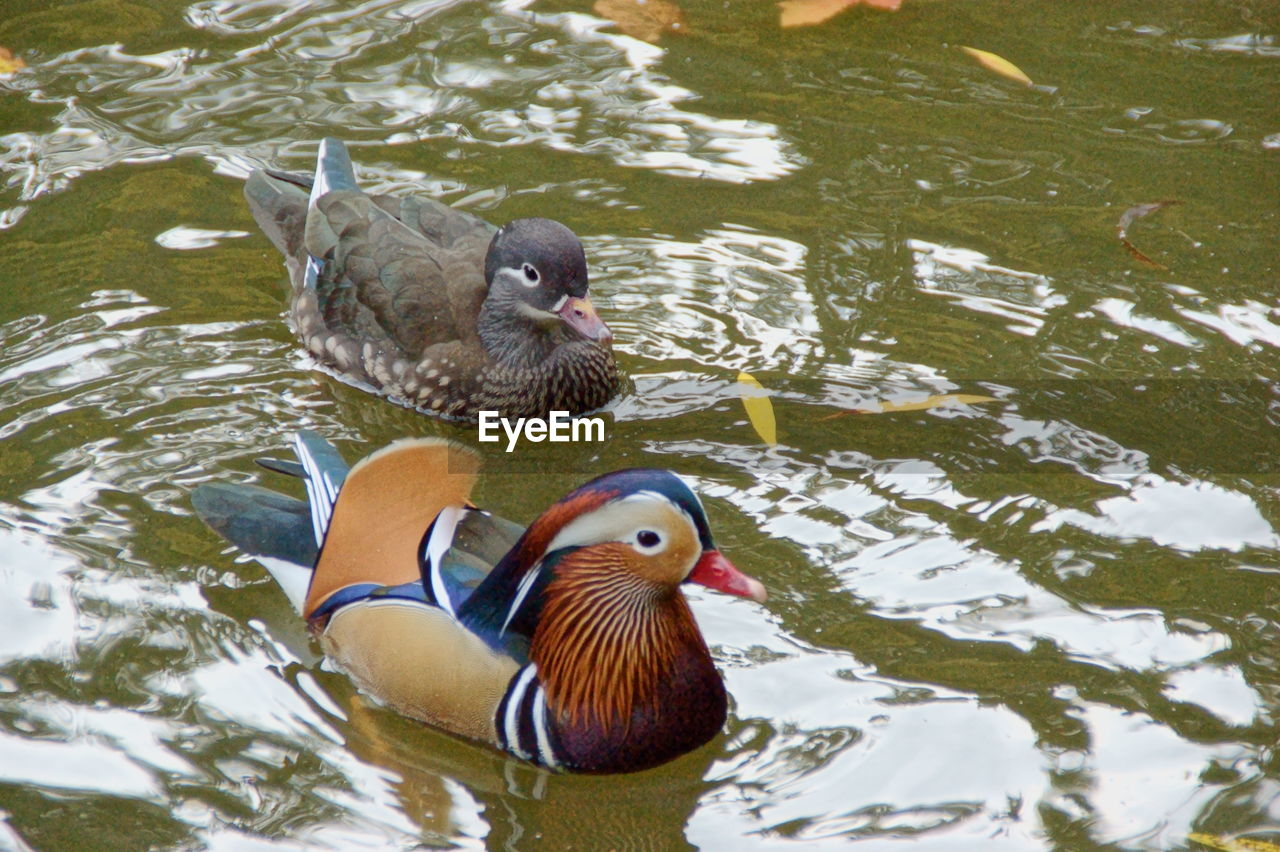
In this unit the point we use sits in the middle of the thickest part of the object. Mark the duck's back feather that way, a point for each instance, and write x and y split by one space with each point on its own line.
477 543
274 529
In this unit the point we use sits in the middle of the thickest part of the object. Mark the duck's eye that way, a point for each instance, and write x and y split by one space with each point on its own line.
531 274
648 539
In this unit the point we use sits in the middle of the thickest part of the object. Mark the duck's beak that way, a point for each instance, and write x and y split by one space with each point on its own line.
580 315
715 572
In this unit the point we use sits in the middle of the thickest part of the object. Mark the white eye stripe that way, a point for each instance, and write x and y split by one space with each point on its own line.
625 520
516 273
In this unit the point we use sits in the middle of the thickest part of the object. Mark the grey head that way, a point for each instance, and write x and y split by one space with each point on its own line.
536 268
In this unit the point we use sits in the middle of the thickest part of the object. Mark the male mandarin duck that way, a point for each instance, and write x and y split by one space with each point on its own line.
433 306
569 643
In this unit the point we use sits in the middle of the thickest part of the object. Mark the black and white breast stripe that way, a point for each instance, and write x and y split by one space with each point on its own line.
521 720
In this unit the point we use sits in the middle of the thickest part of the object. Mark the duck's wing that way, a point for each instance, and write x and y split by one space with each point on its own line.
400 512
397 520
383 512
385 271
386 535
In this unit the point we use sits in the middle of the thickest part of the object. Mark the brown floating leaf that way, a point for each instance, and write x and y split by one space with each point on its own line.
1232 844
1129 217
915 404
807 13
998 64
646 20
10 63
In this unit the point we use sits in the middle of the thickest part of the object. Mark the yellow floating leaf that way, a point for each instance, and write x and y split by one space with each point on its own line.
755 399
916 404
10 63
998 64
933 402
646 20
807 13
1233 844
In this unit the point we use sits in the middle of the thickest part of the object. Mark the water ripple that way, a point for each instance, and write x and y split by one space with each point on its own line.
583 91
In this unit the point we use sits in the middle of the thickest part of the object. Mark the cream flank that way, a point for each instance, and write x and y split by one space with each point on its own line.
560 427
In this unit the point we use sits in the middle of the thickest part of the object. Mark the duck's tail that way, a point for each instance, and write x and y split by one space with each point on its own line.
282 533
334 171
280 201
374 523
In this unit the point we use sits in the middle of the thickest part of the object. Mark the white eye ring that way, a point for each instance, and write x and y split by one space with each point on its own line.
531 276
648 542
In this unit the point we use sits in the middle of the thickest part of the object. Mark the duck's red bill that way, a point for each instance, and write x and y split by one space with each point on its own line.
716 572
580 315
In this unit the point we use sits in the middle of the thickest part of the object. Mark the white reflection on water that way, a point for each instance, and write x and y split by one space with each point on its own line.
828 749
1221 690
970 279
1186 516
187 238
1137 768
824 703
843 766
736 299
36 608
1123 313
270 705
1246 324
970 595
573 88
917 569
9 837
77 764
143 739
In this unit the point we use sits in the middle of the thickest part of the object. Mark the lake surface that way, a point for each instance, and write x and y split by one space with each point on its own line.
1044 621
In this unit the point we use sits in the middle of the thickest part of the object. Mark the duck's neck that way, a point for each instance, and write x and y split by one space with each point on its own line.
512 338
628 676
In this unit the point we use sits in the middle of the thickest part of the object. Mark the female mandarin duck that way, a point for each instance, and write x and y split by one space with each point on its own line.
569 643
431 305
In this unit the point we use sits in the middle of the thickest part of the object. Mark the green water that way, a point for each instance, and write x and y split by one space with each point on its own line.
1047 621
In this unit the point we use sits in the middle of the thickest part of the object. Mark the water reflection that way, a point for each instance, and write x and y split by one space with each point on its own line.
575 89
1043 621
968 277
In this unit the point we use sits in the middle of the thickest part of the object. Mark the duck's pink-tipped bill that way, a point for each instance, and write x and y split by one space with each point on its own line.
580 315
716 572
